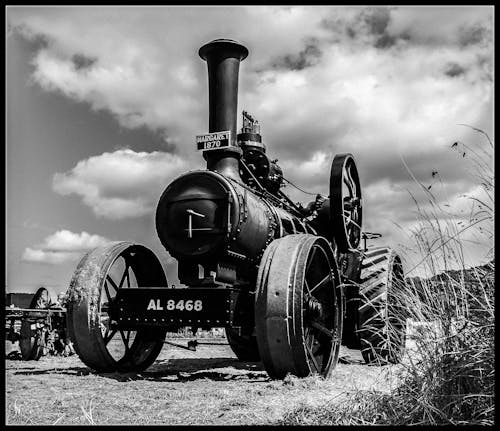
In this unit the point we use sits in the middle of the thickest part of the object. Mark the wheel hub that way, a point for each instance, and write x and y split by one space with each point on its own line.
314 309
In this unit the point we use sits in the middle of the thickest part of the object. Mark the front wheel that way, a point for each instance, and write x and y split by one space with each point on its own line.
98 277
299 307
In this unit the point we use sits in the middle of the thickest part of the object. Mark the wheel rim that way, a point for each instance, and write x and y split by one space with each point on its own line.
120 275
99 276
298 311
320 311
345 202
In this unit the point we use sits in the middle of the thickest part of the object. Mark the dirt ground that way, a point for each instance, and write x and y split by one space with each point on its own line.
206 387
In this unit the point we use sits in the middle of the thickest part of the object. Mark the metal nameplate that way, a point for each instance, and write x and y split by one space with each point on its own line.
164 307
213 141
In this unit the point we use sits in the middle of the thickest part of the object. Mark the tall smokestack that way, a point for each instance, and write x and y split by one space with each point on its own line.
223 58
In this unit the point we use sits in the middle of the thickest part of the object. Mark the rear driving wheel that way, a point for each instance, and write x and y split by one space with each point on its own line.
298 309
98 277
382 316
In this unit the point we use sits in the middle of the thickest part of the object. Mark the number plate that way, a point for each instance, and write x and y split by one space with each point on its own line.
170 307
213 141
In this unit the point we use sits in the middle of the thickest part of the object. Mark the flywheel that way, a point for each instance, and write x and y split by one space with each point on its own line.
345 203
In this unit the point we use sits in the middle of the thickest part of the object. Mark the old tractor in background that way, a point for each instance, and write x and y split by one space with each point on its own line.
289 283
36 322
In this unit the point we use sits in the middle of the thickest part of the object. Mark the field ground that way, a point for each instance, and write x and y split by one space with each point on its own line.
206 387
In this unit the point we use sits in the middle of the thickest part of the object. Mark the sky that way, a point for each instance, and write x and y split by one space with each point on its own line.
104 103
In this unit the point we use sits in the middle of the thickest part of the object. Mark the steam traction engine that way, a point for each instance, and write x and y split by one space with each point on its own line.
288 283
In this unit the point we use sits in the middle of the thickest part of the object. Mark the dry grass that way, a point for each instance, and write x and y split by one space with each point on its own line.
207 387
449 376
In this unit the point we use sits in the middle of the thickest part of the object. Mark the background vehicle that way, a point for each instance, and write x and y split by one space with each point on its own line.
36 322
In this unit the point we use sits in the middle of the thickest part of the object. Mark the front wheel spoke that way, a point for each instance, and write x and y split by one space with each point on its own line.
125 274
112 282
321 283
311 258
109 336
306 284
106 288
324 330
124 341
308 337
313 358
311 340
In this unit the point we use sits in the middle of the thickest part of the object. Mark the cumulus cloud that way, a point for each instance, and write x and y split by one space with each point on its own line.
314 75
122 184
383 83
63 246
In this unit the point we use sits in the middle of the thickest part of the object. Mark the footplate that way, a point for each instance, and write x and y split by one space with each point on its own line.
162 307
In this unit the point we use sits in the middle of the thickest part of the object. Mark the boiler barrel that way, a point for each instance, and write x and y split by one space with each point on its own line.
203 216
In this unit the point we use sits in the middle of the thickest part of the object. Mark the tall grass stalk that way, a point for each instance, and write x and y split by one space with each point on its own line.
448 373
450 366
449 370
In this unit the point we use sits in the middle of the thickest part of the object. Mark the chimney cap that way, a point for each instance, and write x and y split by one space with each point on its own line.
228 45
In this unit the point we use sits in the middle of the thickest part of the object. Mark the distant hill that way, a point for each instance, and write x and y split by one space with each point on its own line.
475 282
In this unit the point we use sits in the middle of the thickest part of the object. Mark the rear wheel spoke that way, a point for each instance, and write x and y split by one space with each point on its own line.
125 274
324 330
312 358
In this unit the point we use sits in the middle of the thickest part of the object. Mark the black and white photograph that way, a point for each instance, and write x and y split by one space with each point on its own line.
249 215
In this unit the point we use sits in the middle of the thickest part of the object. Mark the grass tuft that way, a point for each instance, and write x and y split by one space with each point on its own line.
448 371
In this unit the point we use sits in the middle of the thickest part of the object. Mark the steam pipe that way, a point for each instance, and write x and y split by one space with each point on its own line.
223 58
